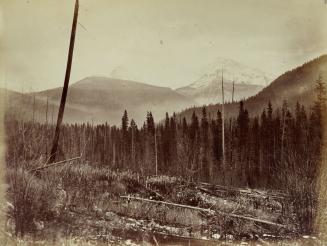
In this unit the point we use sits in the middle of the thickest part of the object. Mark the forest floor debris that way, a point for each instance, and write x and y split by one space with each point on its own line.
111 207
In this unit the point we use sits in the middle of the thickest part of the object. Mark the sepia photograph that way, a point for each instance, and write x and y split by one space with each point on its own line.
163 122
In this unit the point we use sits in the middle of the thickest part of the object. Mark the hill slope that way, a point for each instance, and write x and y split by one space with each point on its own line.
100 99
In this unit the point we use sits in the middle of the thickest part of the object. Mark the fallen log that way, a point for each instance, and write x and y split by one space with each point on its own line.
156 235
206 210
224 192
168 203
253 219
208 240
55 164
247 192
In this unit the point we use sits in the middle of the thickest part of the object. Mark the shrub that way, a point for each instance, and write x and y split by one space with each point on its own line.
32 200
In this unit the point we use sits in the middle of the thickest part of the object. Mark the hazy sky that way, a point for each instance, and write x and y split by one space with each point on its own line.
162 42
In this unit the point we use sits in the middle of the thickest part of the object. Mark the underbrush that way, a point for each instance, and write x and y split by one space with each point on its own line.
38 198
58 194
31 200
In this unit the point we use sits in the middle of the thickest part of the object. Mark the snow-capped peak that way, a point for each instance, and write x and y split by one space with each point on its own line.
232 71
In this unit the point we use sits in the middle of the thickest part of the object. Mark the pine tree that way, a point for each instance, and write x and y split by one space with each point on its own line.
124 124
206 169
254 173
193 159
125 139
150 157
216 130
243 125
243 128
194 127
166 143
320 89
269 141
133 134
183 148
173 141
150 123
319 108
184 127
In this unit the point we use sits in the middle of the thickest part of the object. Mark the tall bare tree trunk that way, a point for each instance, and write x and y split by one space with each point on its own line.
33 115
52 113
283 137
66 83
231 144
223 116
114 155
133 157
6 91
46 127
156 151
233 91
46 112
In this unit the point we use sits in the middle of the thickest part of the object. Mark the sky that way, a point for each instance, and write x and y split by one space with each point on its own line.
160 42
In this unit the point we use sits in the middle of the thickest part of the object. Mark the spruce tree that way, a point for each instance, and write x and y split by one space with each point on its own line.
206 169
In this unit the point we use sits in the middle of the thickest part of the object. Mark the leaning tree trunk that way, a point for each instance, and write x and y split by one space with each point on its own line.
65 88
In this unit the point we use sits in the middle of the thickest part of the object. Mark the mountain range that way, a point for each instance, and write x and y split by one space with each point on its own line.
101 99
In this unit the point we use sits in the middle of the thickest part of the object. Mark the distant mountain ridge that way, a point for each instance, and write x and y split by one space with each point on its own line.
207 88
296 85
101 99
